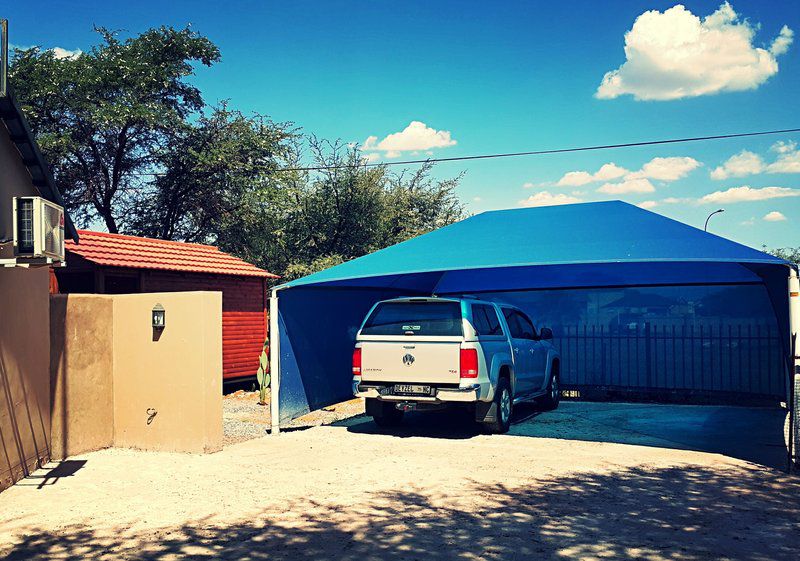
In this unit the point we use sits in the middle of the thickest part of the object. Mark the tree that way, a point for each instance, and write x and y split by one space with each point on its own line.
791 254
348 209
102 117
213 169
132 143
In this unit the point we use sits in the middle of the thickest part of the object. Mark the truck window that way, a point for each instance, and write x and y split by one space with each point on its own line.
529 331
513 323
519 325
415 318
484 319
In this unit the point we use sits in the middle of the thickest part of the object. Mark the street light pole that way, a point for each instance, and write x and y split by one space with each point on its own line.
705 228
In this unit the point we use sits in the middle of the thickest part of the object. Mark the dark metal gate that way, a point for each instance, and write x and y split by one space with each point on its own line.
704 361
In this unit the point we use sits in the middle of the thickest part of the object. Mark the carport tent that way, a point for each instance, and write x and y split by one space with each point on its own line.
508 252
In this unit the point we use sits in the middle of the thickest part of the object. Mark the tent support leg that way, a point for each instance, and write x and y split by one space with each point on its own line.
274 364
794 369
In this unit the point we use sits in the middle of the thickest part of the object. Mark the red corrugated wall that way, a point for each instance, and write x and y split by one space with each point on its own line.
244 314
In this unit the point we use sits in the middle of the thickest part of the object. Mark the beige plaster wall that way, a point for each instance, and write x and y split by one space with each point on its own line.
117 382
81 367
24 372
168 386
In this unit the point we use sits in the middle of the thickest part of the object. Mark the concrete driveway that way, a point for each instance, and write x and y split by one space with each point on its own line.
348 492
754 434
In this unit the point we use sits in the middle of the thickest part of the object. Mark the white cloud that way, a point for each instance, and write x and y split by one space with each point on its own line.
669 169
747 193
605 173
667 201
661 169
782 147
748 163
675 54
635 185
774 216
60 53
371 158
743 163
545 198
781 43
610 171
477 199
749 222
575 179
788 158
417 136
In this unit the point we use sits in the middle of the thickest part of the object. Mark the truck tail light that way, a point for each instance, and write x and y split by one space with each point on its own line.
357 361
469 363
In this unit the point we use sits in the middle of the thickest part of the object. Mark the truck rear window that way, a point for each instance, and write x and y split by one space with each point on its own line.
415 318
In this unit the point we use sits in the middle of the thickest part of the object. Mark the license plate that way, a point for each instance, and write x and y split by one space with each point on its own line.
411 389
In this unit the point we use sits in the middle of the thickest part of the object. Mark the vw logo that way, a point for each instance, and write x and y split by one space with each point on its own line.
408 359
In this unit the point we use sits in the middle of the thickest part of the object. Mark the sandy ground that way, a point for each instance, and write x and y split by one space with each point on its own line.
348 492
243 418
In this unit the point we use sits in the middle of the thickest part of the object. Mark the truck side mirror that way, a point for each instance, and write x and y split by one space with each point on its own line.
545 333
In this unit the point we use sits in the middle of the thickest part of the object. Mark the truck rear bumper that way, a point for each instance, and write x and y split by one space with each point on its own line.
466 394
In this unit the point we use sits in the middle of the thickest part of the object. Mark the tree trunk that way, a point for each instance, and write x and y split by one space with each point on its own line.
111 224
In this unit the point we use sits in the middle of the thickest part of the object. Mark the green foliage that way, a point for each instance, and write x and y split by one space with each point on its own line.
132 143
302 222
295 270
791 254
102 117
262 374
213 169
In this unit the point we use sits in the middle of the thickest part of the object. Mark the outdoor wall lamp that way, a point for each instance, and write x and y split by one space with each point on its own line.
159 317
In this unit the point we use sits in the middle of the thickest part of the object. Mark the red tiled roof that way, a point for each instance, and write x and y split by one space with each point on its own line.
116 250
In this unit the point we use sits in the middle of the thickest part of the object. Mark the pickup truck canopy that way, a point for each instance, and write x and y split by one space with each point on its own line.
590 245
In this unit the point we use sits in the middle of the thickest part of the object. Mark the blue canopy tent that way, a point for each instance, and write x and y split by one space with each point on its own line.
562 264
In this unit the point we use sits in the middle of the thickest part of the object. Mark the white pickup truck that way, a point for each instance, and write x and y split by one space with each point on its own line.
427 353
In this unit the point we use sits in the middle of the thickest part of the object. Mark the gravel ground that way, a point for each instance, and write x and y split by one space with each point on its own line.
348 492
244 419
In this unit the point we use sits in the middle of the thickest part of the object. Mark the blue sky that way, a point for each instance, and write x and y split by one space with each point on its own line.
491 77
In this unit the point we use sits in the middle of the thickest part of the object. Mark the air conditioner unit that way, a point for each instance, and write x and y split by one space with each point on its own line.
38 228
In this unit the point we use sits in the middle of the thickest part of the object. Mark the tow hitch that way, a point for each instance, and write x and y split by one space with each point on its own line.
406 406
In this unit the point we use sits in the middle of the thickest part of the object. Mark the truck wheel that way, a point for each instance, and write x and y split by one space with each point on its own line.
503 406
553 395
385 414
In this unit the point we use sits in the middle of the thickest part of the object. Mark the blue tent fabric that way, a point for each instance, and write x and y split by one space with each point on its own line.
605 232
581 246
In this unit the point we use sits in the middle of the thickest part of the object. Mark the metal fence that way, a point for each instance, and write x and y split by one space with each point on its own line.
701 359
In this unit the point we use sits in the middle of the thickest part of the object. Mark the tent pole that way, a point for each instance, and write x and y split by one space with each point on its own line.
794 366
274 363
